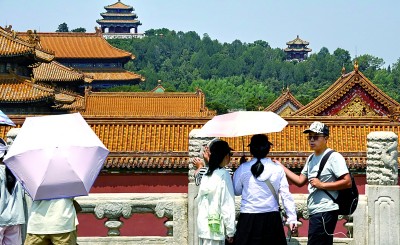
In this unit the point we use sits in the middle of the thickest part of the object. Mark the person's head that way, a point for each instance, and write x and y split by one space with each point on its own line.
318 135
259 148
220 155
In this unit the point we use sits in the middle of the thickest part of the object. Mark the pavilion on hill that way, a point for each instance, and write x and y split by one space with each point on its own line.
119 21
297 49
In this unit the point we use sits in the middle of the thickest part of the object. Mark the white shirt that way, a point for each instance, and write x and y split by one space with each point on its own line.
52 216
256 196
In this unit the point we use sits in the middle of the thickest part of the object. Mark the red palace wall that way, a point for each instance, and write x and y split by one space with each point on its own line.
149 224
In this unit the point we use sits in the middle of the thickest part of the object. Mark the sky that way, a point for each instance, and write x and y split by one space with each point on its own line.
358 26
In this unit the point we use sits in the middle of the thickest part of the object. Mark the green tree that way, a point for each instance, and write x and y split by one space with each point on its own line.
63 27
79 29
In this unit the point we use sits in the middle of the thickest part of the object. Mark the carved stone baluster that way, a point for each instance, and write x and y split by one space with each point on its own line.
113 213
165 209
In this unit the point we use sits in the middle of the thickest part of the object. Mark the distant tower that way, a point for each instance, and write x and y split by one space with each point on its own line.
297 49
119 21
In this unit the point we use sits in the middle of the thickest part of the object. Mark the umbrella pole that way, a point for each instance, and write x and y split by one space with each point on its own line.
242 158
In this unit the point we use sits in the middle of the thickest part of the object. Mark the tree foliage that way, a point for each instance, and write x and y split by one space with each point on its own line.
241 75
79 29
63 27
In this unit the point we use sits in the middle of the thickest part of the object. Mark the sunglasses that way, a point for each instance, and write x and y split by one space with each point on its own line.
314 137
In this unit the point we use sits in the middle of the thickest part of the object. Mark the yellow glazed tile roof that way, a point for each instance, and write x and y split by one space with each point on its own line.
352 88
118 5
285 104
75 45
56 72
167 104
112 74
11 45
18 90
297 40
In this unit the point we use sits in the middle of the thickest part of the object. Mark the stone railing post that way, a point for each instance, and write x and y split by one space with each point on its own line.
382 189
195 150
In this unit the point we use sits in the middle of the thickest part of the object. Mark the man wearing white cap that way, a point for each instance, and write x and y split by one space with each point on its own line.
12 215
334 176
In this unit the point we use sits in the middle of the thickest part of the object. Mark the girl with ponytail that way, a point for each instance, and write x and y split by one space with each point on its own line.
259 220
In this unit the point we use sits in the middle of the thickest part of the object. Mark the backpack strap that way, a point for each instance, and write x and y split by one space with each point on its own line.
321 167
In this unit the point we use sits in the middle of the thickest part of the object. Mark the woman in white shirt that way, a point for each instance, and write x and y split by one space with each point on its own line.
216 203
259 221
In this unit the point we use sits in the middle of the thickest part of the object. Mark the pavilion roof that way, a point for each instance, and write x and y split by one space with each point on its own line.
112 74
286 104
297 40
118 5
352 94
56 72
12 46
78 45
16 89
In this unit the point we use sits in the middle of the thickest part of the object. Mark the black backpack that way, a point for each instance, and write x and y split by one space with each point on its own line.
347 198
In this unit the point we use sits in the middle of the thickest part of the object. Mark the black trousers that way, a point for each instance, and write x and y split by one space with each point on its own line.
260 229
321 228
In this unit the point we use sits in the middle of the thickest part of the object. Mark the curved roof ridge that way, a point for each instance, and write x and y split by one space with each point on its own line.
339 88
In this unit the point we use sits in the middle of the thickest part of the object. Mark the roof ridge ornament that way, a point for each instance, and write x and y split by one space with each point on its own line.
343 70
356 66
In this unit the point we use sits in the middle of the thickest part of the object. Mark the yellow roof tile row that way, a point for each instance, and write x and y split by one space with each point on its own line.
71 45
12 45
147 104
112 74
56 72
17 90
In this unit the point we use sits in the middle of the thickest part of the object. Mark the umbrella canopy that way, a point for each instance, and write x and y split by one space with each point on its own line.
242 123
5 120
56 156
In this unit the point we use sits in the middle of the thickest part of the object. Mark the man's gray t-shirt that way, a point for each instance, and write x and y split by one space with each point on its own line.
318 201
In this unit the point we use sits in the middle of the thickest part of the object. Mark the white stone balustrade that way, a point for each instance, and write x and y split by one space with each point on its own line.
115 206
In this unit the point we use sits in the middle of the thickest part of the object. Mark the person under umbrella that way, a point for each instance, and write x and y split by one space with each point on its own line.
12 215
216 203
259 220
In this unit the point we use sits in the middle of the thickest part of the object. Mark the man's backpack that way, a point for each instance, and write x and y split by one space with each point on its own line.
347 198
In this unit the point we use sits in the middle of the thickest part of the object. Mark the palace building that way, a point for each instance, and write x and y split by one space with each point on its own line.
119 21
297 49
92 55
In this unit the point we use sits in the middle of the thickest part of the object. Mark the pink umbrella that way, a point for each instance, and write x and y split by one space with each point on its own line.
241 123
56 156
4 119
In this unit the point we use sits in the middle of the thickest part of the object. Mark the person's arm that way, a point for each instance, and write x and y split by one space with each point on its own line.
228 212
343 182
237 185
288 202
298 180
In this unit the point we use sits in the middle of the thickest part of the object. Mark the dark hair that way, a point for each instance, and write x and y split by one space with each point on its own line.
259 148
219 149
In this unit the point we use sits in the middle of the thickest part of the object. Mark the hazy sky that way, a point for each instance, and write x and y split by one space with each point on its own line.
359 26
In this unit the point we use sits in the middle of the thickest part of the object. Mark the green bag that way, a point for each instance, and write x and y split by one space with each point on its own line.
214 223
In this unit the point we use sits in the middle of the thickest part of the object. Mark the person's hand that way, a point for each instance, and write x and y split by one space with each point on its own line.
229 239
206 153
315 182
198 162
293 228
